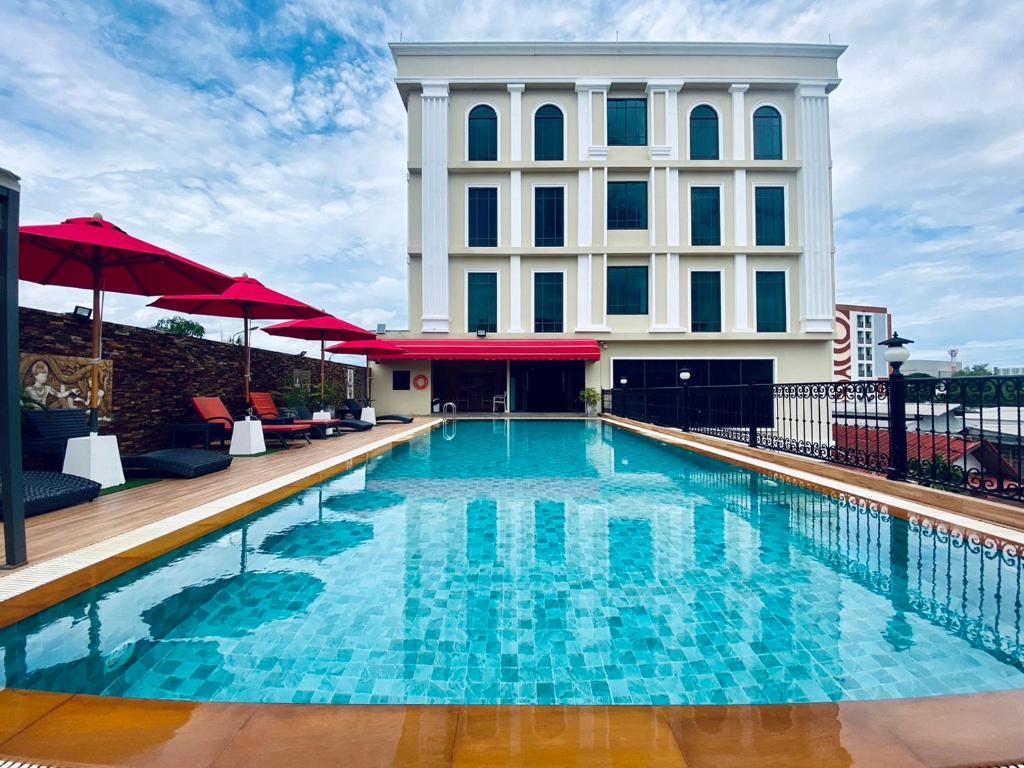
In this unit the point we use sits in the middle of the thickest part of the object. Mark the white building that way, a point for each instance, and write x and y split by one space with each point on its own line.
610 212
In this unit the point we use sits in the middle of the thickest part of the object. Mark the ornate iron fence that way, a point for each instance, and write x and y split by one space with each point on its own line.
963 434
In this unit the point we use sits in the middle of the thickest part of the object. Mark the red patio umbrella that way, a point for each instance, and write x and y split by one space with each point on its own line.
377 349
246 298
91 253
321 329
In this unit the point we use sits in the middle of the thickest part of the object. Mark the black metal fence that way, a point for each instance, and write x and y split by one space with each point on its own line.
964 434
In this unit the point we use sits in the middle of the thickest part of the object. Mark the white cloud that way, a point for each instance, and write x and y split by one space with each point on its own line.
275 144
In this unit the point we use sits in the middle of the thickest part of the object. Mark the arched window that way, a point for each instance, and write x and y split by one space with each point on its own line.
703 133
483 133
767 134
548 141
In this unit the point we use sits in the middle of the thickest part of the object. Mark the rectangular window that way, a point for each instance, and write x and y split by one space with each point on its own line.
547 302
627 205
482 302
549 217
770 215
483 217
771 302
706 302
400 380
627 290
705 216
627 122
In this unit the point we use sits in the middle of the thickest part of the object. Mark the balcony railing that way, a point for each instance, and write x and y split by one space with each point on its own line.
962 434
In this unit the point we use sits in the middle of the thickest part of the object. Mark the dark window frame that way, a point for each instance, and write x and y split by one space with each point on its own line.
487 239
548 325
617 304
540 238
396 379
473 324
774 325
769 232
767 135
548 122
706 125
621 214
705 325
705 239
634 130
474 125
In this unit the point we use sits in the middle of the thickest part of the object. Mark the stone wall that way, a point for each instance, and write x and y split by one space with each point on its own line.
156 374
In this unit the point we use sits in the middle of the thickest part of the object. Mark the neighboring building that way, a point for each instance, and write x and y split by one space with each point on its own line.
939 369
612 211
859 329
1012 370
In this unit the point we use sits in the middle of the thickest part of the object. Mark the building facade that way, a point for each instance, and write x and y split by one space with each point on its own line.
856 354
614 213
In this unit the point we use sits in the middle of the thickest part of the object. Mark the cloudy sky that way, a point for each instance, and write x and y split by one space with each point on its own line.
266 136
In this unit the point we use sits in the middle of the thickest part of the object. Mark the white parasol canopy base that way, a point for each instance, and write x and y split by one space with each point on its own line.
95 458
247 438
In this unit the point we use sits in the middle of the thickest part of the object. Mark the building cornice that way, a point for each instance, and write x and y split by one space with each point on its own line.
799 50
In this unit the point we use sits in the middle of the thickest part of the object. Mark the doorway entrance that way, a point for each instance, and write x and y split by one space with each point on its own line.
546 386
471 384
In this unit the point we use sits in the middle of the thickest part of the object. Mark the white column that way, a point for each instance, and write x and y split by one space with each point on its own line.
588 146
673 291
741 294
652 208
741 237
515 210
815 181
672 207
739 122
515 118
515 298
434 207
583 291
670 90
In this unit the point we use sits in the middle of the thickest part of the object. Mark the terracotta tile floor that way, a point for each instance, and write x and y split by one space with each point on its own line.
984 729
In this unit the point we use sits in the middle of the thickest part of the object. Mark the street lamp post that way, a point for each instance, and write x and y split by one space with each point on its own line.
684 423
896 354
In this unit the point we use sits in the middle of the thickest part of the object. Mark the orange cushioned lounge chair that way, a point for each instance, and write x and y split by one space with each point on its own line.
266 409
213 411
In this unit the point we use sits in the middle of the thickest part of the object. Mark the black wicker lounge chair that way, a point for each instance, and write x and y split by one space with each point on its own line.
45 434
177 462
356 409
47 491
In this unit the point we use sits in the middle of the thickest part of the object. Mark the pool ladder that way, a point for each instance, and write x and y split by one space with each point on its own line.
449 414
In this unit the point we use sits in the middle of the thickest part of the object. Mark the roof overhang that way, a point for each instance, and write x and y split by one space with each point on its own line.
517 349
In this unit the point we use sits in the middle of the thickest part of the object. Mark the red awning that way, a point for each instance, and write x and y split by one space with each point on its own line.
518 349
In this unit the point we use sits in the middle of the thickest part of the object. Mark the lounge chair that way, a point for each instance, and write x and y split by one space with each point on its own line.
267 410
177 462
47 491
213 411
356 408
45 434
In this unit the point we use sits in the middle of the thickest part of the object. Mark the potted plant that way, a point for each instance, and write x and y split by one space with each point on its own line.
590 397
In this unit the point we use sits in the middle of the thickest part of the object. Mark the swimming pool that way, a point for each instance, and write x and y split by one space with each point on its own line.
542 562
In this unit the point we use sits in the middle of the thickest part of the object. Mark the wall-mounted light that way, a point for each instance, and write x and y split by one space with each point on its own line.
684 375
82 313
623 381
481 332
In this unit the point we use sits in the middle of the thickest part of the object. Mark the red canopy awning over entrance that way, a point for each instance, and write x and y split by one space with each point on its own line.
517 349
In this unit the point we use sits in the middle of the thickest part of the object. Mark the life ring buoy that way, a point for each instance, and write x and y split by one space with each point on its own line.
420 381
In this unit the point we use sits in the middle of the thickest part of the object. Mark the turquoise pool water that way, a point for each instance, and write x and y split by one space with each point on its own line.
542 562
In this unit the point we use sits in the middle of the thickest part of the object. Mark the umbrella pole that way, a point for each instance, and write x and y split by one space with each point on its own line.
322 340
248 362
369 381
97 347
